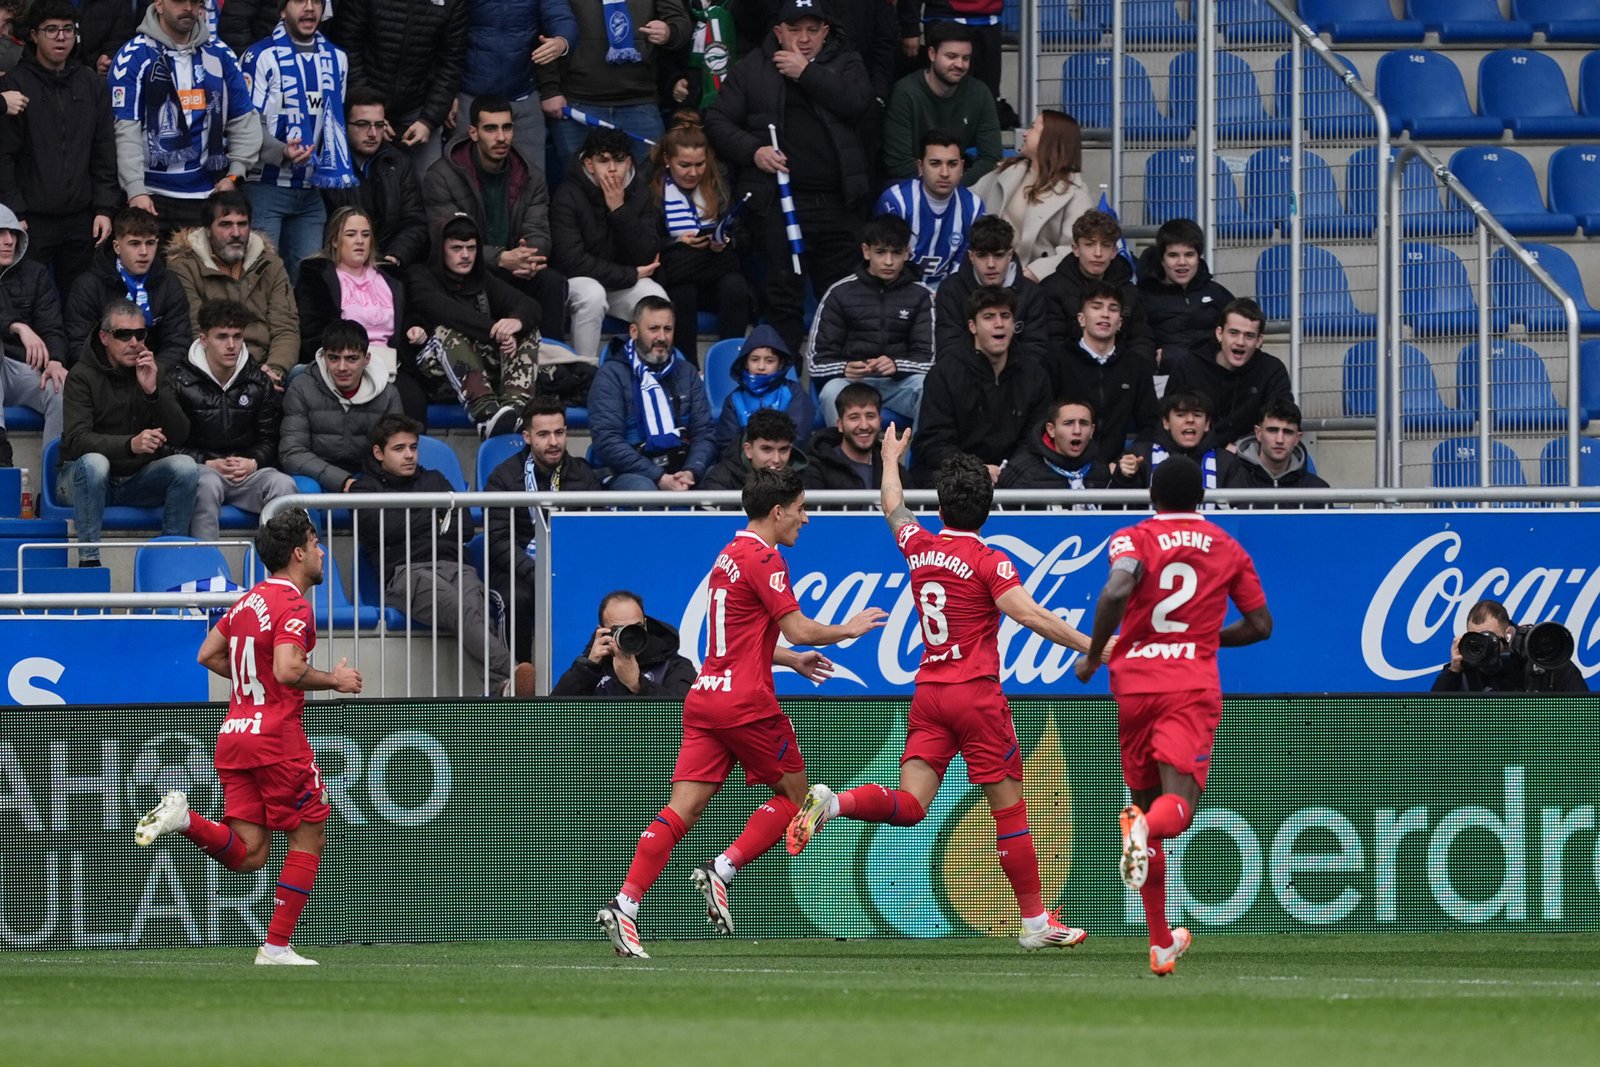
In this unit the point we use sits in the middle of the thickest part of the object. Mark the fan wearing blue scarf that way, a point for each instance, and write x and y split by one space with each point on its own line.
765 380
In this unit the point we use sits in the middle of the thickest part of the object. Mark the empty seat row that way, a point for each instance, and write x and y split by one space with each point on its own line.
1521 396
1454 20
1455 463
1519 90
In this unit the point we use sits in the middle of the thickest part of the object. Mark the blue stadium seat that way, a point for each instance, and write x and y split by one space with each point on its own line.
1233 220
1561 20
493 452
1553 462
23 419
36 579
1252 22
1326 307
1425 96
577 418
1268 195
165 564
1574 184
1528 91
1589 380
438 456
1331 109
1422 405
1521 398
1436 293
1241 112
1424 212
1086 95
51 506
1169 186
1518 299
1468 20
448 417
1589 84
1144 22
1359 20
1455 464
1504 183
718 361
1059 24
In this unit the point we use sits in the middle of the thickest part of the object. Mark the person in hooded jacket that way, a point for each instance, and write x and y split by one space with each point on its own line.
1118 386
990 259
329 412
604 670
1185 431
1061 455
1232 371
768 444
1182 301
765 373
33 368
130 267
1274 457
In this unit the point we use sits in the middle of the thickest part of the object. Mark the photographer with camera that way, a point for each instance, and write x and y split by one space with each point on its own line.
630 654
1493 656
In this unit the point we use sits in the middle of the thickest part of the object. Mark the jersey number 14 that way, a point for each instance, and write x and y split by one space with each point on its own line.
246 683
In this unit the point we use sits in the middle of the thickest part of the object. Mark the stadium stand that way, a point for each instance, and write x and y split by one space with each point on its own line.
1468 20
1527 91
1425 96
1359 20
1504 182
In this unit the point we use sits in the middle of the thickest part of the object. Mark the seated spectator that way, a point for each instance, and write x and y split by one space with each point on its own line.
130 267
698 271
234 418
983 399
875 326
766 375
1119 387
846 454
990 260
34 367
1185 431
768 444
389 190
605 670
942 97
940 212
604 221
346 279
1061 456
542 466
1274 457
648 412
1040 191
124 429
1095 260
1232 371
329 411
425 576
1182 301
480 332
223 260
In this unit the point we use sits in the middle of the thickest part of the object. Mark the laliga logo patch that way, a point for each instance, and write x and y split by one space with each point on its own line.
119 96
1006 570
778 581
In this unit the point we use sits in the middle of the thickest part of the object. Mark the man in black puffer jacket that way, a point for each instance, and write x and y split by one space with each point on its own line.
1094 261
126 266
1061 456
604 670
1182 301
390 191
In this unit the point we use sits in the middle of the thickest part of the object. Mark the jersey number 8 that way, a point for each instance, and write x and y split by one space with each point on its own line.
935 627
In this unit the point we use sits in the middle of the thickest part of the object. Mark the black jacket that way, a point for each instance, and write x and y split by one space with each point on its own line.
27 295
1063 297
439 298
1248 473
59 157
452 185
103 408
861 317
830 469
1121 390
319 299
1237 397
662 672
950 318
1181 318
412 51
433 532
170 330
575 476
870 29
104 26
241 418
392 196
1209 445
733 470
965 408
592 241
1566 678
1037 465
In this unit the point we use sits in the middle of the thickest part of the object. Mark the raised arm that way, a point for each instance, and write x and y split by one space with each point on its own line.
893 497
1018 605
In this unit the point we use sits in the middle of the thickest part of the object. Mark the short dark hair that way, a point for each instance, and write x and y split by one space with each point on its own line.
1096 223
942 138
487 104
132 221
1282 408
603 142
1101 291
364 96
343 335
1177 485
459 227
858 395
886 231
1180 232
766 489
43 11
965 491
769 424
942 33
990 296
120 308
390 425
226 202
279 536
612 597
1484 610
543 404
221 314
647 303
1053 412
1185 400
1245 308
991 235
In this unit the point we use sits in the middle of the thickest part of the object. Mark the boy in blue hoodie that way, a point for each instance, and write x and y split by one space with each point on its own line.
766 380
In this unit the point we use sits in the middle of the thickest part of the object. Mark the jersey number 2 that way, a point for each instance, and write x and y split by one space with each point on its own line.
246 683
1182 576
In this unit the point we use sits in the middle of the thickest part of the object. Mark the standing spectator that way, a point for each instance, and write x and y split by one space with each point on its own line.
1185 431
297 80
846 454
329 412
222 259
1182 302
875 326
58 159
234 417
1117 386
1275 457
648 412
413 52
983 399
1094 261
604 670
33 367
1061 456
10 25
130 267
502 37
236 23
941 97
612 71
815 91
939 211
104 26
185 126
389 191
990 260
124 427
604 220
765 373
768 445
1232 371
1040 191
982 19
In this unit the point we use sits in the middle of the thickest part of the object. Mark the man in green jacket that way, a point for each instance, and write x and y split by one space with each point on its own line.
942 97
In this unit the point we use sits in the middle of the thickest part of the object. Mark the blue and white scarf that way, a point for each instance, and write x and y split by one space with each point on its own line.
1208 463
657 419
619 30
277 64
682 213
136 292
530 483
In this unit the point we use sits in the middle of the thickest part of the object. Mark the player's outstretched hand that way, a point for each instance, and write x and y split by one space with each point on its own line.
1085 668
895 446
866 620
814 666
346 679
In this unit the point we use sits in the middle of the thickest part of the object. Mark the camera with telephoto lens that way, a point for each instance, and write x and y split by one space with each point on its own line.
630 638
1480 651
1545 646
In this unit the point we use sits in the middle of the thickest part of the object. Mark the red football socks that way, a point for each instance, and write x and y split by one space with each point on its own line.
1014 844
764 829
1168 817
1154 895
294 889
216 840
874 803
655 848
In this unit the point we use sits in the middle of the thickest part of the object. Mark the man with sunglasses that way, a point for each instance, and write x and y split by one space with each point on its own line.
124 426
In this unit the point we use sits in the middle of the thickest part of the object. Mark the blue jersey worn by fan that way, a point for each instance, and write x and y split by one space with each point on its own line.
938 229
299 91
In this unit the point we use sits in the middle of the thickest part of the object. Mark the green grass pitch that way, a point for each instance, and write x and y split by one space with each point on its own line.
1456 999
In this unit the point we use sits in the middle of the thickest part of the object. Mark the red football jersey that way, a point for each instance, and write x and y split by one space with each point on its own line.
956 581
748 592
263 724
1186 569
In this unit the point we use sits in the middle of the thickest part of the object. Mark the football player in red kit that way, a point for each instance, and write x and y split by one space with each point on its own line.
269 777
961 587
1171 579
731 714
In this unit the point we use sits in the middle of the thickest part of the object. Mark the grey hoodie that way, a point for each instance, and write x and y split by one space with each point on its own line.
9 221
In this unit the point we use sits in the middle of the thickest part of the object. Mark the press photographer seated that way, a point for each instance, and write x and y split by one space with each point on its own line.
630 654
1493 656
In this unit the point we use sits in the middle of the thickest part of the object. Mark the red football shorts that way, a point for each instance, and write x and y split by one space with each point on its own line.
971 718
766 749
279 796
1177 729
